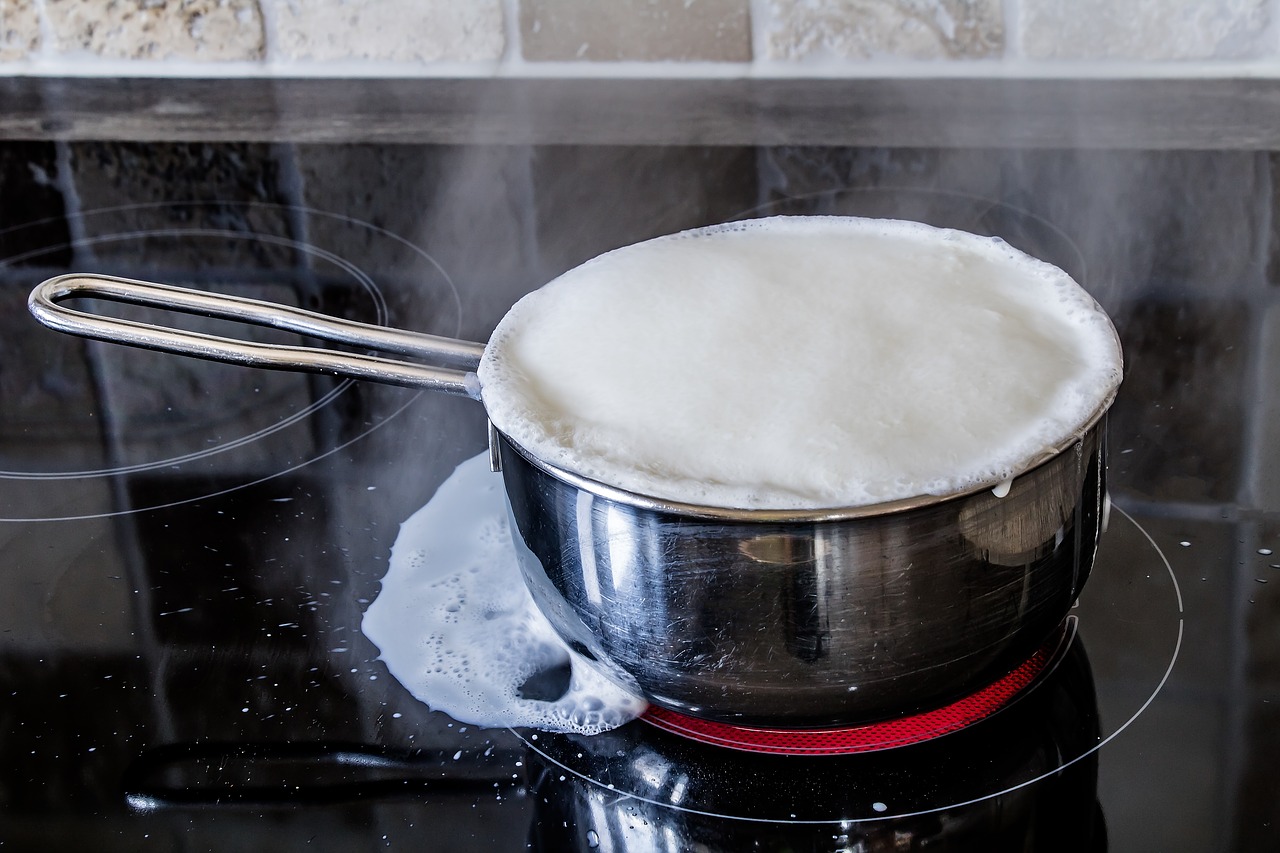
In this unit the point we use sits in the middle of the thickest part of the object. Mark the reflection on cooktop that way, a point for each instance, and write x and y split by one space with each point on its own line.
201 419
720 781
187 549
637 788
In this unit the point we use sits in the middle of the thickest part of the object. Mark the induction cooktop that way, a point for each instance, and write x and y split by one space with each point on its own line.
187 548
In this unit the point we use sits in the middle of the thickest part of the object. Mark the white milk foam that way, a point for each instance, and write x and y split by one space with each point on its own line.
457 627
802 362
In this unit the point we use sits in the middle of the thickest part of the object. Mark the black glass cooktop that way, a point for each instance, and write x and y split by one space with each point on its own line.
186 548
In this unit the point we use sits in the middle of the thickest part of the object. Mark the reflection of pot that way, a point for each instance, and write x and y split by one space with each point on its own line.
641 789
1014 529
786 617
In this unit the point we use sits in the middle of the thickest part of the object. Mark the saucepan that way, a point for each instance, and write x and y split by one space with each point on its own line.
781 618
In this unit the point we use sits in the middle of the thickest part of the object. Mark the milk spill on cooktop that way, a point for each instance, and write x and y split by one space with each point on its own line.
452 565
456 625
209 417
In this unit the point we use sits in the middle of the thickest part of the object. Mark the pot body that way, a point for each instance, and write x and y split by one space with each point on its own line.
805 622
792 619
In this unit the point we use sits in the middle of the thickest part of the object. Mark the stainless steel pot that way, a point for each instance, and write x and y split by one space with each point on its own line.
780 618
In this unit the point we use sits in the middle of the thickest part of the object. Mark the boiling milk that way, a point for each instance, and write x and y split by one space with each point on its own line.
791 362
802 362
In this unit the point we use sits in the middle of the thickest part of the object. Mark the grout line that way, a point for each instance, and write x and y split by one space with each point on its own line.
47 35
1235 714
1260 430
270 29
513 49
1012 35
1175 510
759 20
293 187
81 253
527 186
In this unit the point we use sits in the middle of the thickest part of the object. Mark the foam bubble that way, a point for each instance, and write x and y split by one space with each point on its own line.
456 625
802 362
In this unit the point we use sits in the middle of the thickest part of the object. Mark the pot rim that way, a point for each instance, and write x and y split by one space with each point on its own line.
784 516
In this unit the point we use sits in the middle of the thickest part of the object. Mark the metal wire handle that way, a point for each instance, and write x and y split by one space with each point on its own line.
459 359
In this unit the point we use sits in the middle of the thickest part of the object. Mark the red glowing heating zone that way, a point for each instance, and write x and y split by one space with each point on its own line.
871 737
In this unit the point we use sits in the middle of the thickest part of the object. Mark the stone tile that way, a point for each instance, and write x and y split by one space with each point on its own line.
970 190
46 394
591 200
444 232
445 235
499 221
19 29
1178 223
1145 30
1172 224
1179 422
231 192
389 30
796 172
210 216
503 220
158 29
636 30
882 29
33 225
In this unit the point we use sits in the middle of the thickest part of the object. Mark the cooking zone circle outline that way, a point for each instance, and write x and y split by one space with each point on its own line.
531 740
366 283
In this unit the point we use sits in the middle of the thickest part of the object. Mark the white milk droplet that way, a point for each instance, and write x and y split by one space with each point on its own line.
457 627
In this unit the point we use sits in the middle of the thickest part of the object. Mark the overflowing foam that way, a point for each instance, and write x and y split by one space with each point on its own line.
802 362
456 625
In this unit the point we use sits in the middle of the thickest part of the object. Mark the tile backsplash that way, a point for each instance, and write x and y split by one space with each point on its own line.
666 37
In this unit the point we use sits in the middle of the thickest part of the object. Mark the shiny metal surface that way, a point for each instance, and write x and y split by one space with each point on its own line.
45 304
793 618
803 622
963 792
